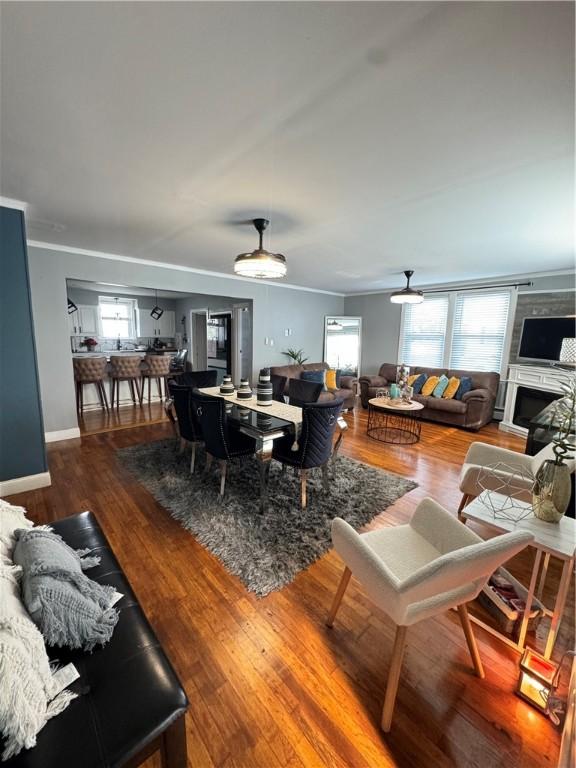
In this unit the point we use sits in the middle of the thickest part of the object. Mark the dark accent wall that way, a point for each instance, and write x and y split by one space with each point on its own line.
551 304
22 450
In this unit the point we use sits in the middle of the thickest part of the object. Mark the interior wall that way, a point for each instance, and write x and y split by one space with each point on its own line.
90 298
275 308
548 294
22 451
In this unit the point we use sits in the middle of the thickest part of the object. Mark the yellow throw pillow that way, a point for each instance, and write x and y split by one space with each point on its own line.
331 379
412 378
452 388
430 385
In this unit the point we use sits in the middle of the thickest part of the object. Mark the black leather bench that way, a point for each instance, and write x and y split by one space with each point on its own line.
130 701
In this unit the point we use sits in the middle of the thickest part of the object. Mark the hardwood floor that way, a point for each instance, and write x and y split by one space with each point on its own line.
269 684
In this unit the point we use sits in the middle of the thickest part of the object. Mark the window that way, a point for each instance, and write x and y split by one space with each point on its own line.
459 330
117 317
423 332
479 330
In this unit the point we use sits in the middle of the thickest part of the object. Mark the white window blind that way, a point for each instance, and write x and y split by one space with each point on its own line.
424 332
479 331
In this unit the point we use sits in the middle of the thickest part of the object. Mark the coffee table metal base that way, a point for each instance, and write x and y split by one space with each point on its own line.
396 428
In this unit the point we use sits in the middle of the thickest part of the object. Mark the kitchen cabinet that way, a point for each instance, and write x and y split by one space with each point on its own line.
84 322
149 327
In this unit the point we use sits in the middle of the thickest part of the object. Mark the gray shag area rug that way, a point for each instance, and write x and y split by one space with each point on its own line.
266 551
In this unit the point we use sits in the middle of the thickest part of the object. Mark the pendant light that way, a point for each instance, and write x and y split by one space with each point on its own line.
157 312
260 263
407 295
72 307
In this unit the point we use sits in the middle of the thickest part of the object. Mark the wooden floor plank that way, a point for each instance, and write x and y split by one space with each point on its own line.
269 684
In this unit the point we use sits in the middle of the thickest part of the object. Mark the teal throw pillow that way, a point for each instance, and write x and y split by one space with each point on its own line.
441 386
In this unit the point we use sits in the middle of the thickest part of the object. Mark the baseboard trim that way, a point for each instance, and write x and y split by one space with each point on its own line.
62 434
22 484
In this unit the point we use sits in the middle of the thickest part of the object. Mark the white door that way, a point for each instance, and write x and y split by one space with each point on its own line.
167 324
87 319
146 324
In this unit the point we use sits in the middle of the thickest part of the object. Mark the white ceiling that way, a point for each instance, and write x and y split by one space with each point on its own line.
375 136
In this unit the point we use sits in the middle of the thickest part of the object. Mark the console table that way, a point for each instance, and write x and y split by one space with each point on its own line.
550 540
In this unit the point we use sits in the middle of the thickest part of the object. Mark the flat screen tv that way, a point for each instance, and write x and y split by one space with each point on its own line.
541 338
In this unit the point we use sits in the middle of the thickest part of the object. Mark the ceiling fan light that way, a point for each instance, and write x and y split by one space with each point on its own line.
260 263
407 295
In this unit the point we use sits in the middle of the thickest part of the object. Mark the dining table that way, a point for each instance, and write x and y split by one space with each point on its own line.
265 424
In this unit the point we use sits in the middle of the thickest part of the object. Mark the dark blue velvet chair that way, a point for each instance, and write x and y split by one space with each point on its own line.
188 427
221 443
301 392
314 443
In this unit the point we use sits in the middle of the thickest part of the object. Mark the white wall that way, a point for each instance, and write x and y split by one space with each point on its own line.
274 309
381 318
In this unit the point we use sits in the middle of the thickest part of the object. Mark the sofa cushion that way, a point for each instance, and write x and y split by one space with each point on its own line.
430 385
441 386
450 406
465 386
452 388
318 377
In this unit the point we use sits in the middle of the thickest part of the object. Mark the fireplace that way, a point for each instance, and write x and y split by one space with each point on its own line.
529 402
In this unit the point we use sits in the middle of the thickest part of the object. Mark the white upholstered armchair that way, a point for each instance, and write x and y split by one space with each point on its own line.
416 571
511 469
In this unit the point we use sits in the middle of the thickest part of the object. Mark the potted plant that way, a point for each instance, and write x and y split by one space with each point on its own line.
296 355
552 486
89 343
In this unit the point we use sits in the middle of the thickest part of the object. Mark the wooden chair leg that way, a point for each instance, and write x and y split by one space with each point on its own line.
141 389
77 383
159 387
470 640
303 498
325 478
99 393
223 466
193 458
344 581
463 502
81 397
149 389
393 678
111 393
138 391
104 397
173 745
208 462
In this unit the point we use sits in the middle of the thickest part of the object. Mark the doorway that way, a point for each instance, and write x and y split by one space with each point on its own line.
219 344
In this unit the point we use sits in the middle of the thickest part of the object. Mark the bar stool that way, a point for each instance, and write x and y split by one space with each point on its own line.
89 370
155 367
124 368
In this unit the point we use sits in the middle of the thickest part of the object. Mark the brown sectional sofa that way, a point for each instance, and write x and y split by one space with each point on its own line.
472 412
347 391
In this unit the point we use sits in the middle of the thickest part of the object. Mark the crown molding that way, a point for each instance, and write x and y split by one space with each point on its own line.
9 202
166 265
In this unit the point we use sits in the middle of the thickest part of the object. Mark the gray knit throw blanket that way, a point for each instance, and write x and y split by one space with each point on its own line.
69 608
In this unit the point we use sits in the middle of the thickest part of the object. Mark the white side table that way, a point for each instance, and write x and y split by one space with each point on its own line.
551 539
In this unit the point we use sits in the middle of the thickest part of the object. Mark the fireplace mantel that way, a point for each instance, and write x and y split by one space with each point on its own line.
537 377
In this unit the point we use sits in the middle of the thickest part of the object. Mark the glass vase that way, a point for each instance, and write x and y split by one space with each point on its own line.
551 491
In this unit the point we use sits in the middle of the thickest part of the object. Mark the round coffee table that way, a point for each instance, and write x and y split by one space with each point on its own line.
394 421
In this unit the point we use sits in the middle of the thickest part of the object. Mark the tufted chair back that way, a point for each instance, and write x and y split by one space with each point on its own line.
157 365
89 369
301 392
188 424
221 442
315 441
124 367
